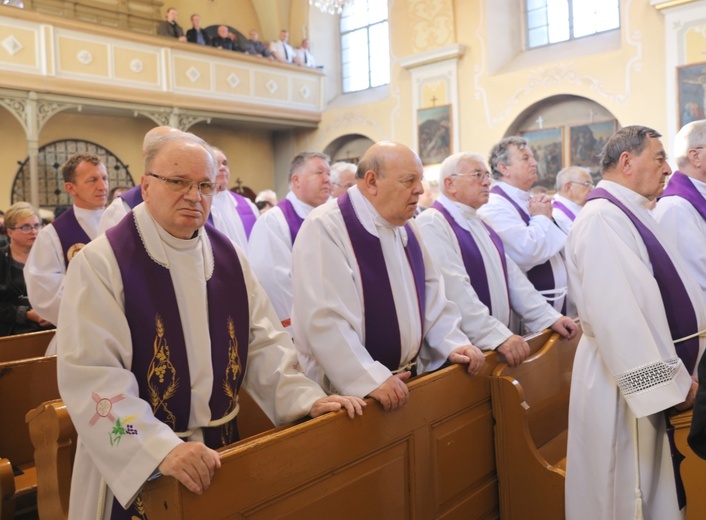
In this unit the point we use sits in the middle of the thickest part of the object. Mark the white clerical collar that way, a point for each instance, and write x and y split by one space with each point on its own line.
89 220
302 208
156 240
460 212
570 204
700 185
369 216
521 196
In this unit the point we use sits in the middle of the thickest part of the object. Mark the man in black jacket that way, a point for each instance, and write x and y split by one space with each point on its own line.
196 34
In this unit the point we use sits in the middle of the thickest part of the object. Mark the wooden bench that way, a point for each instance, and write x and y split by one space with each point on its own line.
531 409
24 384
692 469
25 346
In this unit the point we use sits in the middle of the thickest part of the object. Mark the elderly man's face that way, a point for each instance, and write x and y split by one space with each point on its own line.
90 186
223 176
399 187
649 170
312 183
577 190
521 168
222 31
346 179
179 213
470 185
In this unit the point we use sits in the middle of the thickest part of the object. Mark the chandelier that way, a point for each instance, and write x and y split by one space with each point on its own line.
330 6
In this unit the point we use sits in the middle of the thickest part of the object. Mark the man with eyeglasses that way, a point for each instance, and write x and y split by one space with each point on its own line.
86 180
525 223
483 282
369 305
162 321
573 184
276 230
342 178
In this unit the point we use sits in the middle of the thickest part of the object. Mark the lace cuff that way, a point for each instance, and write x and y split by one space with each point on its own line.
647 377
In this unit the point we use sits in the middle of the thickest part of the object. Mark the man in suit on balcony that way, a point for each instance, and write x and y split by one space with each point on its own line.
197 34
170 27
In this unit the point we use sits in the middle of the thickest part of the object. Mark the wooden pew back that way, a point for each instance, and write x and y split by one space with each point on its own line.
25 346
692 468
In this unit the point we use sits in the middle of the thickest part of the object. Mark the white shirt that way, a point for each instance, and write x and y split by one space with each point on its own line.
271 256
95 349
328 314
562 219
687 229
528 245
483 330
277 47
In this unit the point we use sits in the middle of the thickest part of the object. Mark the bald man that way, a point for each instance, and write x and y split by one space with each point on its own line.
368 303
573 184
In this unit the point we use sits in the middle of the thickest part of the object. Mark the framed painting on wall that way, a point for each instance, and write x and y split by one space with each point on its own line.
434 131
586 143
548 151
691 91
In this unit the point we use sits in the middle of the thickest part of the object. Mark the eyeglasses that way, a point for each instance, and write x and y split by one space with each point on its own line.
588 185
184 186
28 228
477 174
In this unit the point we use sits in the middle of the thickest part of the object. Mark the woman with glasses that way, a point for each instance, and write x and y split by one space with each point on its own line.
16 314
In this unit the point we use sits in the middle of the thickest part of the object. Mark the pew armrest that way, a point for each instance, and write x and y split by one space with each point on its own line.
7 489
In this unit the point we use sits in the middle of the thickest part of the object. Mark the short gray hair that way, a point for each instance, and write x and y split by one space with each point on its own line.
339 167
300 160
631 139
155 146
690 136
569 174
500 153
450 166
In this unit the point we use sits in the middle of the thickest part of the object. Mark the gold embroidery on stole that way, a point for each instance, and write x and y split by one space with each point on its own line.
160 370
230 378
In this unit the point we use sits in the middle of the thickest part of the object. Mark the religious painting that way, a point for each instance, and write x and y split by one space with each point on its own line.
586 143
546 145
691 91
434 130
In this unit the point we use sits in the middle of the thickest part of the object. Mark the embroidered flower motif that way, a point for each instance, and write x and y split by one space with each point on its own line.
120 429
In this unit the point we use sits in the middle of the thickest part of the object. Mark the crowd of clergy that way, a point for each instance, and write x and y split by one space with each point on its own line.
180 291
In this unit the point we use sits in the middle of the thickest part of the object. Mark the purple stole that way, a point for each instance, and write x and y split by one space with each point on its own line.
680 186
245 212
382 330
566 211
542 275
294 221
133 197
160 362
71 235
473 258
681 315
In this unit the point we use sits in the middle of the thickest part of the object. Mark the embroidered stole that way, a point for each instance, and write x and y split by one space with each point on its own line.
245 212
71 235
294 221
473 258
680 186
382 330
566 211
160 361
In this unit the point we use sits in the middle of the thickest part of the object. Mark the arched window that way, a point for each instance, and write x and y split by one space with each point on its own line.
554 21
365 45
51 184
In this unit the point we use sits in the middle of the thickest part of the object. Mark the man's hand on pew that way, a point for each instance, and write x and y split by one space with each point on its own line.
515 350
565 326
690 397
468 354
192 464
393 393
332 403
33 316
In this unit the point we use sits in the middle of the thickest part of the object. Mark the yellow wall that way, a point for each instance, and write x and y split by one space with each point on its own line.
13 148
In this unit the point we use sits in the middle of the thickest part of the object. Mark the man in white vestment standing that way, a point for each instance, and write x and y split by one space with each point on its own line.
86 180
275 231
483 282
163 320
524 222
638 303
573 184
369 306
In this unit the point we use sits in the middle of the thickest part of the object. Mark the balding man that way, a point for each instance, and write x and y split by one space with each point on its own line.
369 305
483 282
342 178
573 184
164 323
639 308
276 230
524 222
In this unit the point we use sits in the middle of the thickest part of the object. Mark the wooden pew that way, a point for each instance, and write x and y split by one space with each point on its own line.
25 346
531 408
24 384
692 469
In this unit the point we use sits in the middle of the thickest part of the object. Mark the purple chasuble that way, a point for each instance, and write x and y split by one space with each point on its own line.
382 330
473 258
133 196
680 186
542 275
160 361
294 221
566 211
245 212
681 315
71 235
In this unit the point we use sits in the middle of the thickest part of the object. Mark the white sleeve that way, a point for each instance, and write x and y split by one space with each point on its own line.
113 214
531 306
44 274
